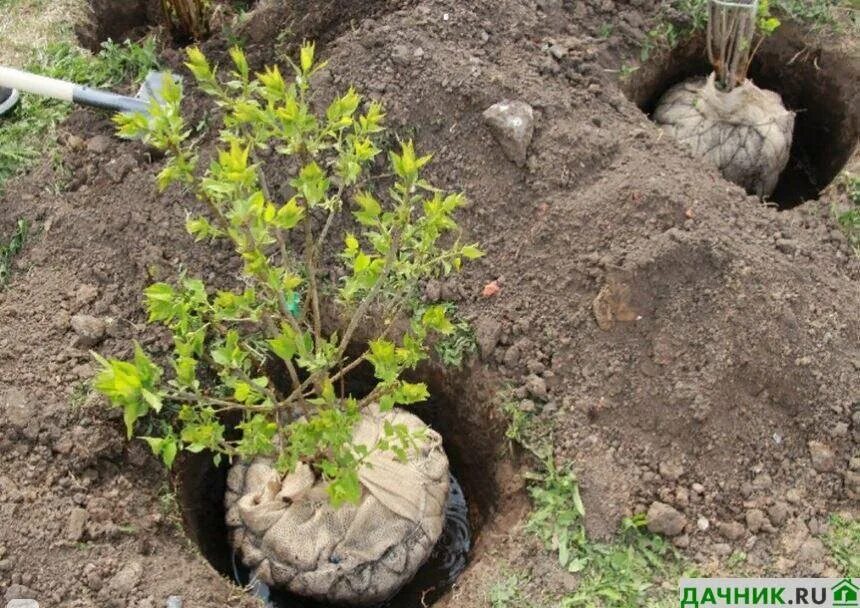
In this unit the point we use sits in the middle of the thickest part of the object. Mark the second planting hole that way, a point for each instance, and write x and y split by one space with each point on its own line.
821 86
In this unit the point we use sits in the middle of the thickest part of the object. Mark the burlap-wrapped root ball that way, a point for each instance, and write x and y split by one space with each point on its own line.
293 539
746 132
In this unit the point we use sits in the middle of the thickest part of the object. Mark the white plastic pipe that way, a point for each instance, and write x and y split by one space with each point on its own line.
33 83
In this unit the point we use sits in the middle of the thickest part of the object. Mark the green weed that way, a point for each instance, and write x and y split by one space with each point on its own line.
456 347
527 430
636 569
79 395
23 134
850 220
11 248
843 541
507 593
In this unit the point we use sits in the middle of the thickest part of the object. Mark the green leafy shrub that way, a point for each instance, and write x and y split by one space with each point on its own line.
262 353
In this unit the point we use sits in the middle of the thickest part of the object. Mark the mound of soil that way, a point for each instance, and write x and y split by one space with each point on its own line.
689 345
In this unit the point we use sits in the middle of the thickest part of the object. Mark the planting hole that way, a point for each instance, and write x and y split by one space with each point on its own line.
201 487
820 85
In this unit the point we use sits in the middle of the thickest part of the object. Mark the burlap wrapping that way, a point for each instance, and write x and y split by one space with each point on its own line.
746 133
291 537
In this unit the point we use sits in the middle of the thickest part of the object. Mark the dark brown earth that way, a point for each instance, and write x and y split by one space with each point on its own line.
686 343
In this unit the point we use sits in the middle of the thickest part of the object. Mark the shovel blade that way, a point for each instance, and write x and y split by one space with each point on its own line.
153 86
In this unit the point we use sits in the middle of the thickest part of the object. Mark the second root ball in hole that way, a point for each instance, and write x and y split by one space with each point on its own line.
747 132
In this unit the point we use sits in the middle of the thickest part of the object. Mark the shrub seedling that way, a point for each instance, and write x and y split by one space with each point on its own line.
732 31
187 18
264 353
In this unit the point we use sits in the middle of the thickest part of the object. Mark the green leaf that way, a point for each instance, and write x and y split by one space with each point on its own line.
289 215
239 61
409 393
471 252
168 452
435 317
152 399
370 209
285 344
306 57
160 304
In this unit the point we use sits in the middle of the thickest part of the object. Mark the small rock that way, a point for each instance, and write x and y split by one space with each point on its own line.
15 408
86 294
77 524
823 459
124 581
487 334
794 496
664 519
433 291
840 429
401 54
512 124
703 524
535 366
527 406
90 330
76 143
118 168
722 549
671 470
99 144
174 601
558 51
682 497
762 481
778 513
812 550
787 246
852 481
536 387
682 542
731 530
757 521
698 488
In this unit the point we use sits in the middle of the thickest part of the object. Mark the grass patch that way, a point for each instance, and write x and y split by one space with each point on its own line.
11 248
850 220
508 593
636 569
843 541
528 430
28 25
24 133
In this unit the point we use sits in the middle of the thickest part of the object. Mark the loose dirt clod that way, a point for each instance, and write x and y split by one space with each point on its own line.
294 539
746 133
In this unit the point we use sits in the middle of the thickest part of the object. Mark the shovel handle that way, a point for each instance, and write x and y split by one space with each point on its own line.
68 91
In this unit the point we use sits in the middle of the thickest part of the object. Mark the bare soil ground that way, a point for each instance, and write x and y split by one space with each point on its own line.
686 343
